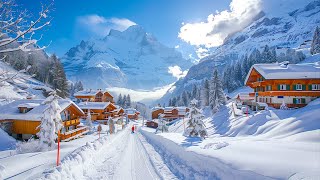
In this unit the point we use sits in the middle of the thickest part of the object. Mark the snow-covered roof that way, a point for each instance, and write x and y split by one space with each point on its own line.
28 105
156 108
89 92
289 71
244 95
93 105
11 110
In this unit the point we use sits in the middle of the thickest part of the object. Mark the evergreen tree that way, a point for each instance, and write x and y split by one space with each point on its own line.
89 121
128 101
170 102
205 93
195 125
194 92
119 101
174 101
51 123
216 94
184 99
59 79
124 102
315 45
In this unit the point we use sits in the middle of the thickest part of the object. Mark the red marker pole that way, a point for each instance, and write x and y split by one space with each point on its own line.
58 154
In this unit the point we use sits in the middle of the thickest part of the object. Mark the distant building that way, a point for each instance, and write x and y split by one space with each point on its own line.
132 113
91 95
98 110
169 112
22 117
294 84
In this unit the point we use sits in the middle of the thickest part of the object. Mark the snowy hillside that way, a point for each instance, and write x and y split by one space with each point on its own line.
132 59
20 86
281 24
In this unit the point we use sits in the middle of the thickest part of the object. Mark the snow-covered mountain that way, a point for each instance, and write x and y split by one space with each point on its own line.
132 59
281 24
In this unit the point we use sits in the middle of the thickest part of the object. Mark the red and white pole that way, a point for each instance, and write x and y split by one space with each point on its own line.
58 154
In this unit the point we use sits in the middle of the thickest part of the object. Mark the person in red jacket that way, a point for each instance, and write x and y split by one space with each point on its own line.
132 128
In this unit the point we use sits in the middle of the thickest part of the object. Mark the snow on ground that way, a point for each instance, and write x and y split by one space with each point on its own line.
30 165
274 143
6 142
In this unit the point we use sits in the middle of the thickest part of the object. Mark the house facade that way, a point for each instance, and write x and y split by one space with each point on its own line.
293 84
169 112
22 118
100 111
91 95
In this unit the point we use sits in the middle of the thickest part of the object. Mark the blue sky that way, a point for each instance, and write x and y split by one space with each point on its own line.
162 18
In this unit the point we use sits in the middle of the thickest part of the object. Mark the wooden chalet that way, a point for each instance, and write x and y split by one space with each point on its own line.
22 117
294 84
94 96
169 113
132 113
100 111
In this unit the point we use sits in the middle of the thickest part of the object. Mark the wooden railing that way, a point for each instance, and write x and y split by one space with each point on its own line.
72 133
288 93
71 122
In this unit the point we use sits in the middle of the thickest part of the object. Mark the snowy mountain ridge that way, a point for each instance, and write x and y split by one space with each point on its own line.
281 24
131 59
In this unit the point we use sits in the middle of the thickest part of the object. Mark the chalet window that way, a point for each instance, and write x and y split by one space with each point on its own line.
298 86
259 79
299 100
315 87
282 87
269 88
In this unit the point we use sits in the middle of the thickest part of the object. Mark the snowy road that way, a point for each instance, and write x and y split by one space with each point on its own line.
126 159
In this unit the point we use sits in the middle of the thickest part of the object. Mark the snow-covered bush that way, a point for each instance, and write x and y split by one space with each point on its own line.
162 127
51 123
195 124
32 145
284 106
111 125
89 121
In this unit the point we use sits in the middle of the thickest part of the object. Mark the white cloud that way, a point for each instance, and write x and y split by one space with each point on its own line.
216 28
202 52
177 72
99 26
177 46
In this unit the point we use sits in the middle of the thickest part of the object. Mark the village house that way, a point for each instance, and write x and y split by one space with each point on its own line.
94 96
100 111
293 84
132 113
169 113
21 118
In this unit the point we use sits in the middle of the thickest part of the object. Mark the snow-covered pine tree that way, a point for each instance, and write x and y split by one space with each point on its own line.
216 94
205 93
174 101
170 102
284 106
51 123
124 101
315 45
195 125
194 92
184 99
89 121
128 101
119 100
111 125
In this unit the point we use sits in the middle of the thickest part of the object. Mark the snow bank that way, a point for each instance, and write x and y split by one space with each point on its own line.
80 162
299 124
190 165
6 142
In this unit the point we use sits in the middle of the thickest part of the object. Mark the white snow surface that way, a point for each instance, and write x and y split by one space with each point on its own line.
93 105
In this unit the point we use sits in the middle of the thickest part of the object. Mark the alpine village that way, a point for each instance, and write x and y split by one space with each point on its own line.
237 97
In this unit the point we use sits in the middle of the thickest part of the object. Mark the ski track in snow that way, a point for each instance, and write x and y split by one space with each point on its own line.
126 159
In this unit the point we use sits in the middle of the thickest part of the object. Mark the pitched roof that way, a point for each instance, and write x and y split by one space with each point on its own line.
94 105
289 71
86 93
11 110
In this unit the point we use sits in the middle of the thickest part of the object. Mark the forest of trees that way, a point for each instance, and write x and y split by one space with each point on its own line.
124 101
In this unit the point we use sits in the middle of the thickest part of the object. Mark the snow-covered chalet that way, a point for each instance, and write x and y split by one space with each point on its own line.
293 84
21 118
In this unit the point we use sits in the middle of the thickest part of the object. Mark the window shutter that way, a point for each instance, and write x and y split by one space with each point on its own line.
288 87
294 101
310 87
303 100
294 87
278 86
303 87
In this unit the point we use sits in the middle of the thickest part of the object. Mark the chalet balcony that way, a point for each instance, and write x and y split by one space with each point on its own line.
258 83
67 136
287 93
71 122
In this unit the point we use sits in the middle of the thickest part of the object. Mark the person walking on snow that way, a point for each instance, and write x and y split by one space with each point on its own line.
132 128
